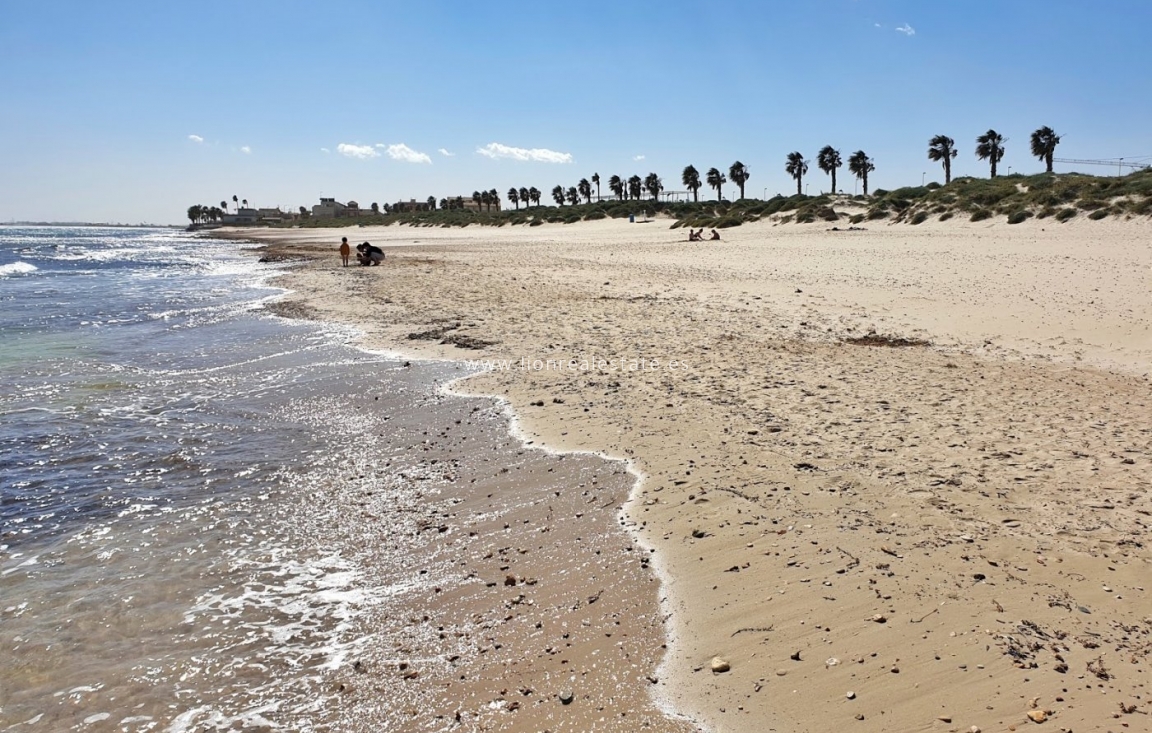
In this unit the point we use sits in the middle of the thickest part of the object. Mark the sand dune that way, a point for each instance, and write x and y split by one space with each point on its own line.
931 536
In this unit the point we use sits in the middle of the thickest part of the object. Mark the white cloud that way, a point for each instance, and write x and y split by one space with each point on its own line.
407 154
538 155
638 157
325 150
246 150
357 151
446 153
196 138
906 30
877 25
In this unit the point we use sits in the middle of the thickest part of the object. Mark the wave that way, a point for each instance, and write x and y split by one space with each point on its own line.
17 268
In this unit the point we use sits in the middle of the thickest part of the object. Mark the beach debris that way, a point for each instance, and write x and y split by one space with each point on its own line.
850 695
944 718
1037 716
509 580
795 657
831 662
879 618
699 534
566 697
720 665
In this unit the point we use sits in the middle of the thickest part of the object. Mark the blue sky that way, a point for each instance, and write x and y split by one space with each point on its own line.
132 111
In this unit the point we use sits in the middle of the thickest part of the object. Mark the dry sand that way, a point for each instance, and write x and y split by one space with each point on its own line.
878 537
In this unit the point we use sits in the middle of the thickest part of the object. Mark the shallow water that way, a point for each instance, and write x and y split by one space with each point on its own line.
162 566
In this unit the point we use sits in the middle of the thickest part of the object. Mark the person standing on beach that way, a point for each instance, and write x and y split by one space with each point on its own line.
345 250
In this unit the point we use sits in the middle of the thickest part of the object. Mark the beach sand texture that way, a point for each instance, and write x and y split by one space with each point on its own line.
930 534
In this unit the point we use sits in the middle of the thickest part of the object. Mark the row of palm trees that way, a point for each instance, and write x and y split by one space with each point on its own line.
990 147
199 214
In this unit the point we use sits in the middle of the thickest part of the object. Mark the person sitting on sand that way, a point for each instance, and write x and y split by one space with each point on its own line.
374 254
696 236
715 234
345 250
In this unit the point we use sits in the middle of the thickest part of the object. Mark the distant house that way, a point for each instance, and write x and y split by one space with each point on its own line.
329 209
242 217
470 205
411 205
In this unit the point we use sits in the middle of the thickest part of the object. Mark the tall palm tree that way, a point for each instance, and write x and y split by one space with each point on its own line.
738 173
943 148
653 185
514 197
584 188
860 165
796 167
224 205
558 195
828 160
990 147
596 180
715 180
524 196
194 213
572 195
376 208
245 202
486 200
1044 142
477 199
431 204
617 187
236 202
534 195
494 199
635 186
691 180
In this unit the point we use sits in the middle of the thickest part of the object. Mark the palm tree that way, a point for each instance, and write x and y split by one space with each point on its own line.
617 187
514 197
691 180
1044 142
738 173
796 167
990 147
558 195
716 180
245 202
477 199
486 200
534 195
494 199
585 190
572 195
828 160
635 186
194 213
375 208
653 185
236 202
860 166
943 148
524 196
224 205
596 180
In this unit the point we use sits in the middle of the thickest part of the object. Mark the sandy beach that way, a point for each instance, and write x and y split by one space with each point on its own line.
891 480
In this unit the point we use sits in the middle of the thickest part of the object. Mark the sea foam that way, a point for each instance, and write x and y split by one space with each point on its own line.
16 268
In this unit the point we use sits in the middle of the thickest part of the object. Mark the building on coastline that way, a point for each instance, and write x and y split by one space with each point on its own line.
252 217
329 209
411 205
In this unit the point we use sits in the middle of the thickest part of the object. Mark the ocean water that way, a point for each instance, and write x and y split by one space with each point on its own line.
170 559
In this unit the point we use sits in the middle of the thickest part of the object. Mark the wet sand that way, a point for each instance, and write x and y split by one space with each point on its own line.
896 480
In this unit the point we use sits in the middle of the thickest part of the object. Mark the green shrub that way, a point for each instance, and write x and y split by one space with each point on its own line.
980 215
727 222
919 218
933 185
946 216
1046 212
1066 214
856 218
1099 214
1017 217
596 215
877 214
1091 204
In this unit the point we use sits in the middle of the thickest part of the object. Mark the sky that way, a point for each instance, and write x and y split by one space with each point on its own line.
130 112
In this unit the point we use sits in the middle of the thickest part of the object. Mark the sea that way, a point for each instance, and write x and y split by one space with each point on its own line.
172 554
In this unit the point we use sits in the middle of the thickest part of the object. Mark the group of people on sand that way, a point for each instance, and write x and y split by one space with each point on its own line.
697 235
366 254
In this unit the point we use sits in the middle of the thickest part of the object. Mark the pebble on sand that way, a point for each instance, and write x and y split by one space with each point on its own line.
720 665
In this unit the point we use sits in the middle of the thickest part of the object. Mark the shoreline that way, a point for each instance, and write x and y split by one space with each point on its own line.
795 474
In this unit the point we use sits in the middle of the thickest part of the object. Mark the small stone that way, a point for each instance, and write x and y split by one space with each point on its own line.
880 619
566 697
859 716
974 729
1037 716
831 662
720 665
850 695
509 580
944 718
781 672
